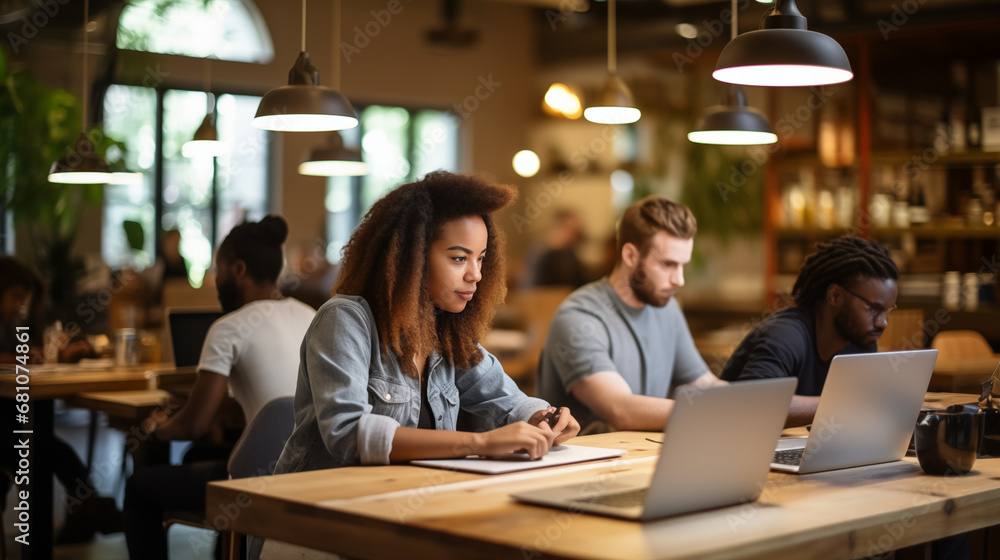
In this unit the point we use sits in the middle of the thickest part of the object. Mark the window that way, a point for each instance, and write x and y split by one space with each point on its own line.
201 197
223 29
400 145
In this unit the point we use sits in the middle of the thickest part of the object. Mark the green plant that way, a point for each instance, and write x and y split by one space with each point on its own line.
38 125
726 199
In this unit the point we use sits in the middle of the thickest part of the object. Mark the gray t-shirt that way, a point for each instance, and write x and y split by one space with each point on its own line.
594 330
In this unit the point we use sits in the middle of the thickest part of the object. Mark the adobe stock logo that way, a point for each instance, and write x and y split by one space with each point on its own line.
38 19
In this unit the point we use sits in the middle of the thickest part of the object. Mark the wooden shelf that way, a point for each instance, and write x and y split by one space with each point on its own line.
950 159
928 231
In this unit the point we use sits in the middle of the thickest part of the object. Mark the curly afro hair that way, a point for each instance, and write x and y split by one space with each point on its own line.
385 262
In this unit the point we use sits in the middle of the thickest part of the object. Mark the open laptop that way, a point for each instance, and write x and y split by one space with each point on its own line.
716 448
866 414
188 329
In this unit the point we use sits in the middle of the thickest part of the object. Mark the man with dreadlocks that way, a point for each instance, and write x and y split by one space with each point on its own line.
843 297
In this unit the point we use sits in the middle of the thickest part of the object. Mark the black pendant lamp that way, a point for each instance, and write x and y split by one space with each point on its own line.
783 53
304 105
733 123
82 166
205 142
615 104
334 159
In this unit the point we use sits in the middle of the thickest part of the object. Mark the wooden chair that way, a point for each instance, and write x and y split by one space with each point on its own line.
960 345
905 331
535 306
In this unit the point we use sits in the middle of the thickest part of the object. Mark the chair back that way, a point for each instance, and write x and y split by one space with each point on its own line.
258 449
536 306
961 345
904 332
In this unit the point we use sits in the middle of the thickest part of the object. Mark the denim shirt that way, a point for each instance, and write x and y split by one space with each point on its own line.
350 398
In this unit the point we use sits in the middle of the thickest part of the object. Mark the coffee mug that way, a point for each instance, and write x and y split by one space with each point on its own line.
947 441
991 433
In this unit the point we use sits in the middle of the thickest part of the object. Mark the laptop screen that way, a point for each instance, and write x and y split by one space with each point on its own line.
188 330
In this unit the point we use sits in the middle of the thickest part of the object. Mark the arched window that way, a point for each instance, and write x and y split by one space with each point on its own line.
223 29
201 198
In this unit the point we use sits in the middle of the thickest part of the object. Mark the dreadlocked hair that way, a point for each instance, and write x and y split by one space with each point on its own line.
385 262
841 261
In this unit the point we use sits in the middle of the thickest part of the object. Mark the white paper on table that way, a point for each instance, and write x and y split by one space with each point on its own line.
558 455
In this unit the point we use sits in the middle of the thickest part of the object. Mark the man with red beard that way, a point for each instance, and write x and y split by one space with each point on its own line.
617 347
843 297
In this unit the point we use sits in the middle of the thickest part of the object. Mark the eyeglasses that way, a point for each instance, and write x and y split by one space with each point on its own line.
874 308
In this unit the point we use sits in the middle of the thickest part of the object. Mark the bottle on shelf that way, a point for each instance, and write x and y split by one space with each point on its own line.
918 206
973 116
957 108
942 131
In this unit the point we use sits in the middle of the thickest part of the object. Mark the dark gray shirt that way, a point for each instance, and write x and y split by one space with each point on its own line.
594 331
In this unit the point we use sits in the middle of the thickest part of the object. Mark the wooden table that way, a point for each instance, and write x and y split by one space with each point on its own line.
131 406
405 511
964 375
47 383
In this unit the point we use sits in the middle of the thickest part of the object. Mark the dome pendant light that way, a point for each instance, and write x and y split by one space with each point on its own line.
82 166
334 159
783 53
733 122
304 105
205 142
615 104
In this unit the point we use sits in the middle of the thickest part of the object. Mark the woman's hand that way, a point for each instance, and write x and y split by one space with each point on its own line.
519 436
565 426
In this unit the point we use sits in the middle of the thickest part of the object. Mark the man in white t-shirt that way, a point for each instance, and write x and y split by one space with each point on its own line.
251 352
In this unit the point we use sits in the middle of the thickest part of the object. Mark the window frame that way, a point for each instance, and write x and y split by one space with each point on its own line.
160 92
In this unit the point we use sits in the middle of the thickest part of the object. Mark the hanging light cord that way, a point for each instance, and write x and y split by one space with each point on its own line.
303 26
206 84
335 79
612 59
734 25
86 24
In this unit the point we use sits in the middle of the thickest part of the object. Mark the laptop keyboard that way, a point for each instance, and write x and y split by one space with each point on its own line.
788 456
631 498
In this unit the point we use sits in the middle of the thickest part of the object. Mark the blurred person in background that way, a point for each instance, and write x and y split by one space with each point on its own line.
308 278
21 305
252 351
556 262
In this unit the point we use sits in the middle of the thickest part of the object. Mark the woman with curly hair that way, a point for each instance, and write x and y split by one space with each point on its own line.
390 359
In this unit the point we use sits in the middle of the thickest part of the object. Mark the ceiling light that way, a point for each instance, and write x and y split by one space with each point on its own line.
334 159
733 123
560 100
686 30
526 163
783 53
205 142
615 104
304 105
82 166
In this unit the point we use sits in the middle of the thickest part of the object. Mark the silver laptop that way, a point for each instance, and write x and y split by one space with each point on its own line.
866 414
716 448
